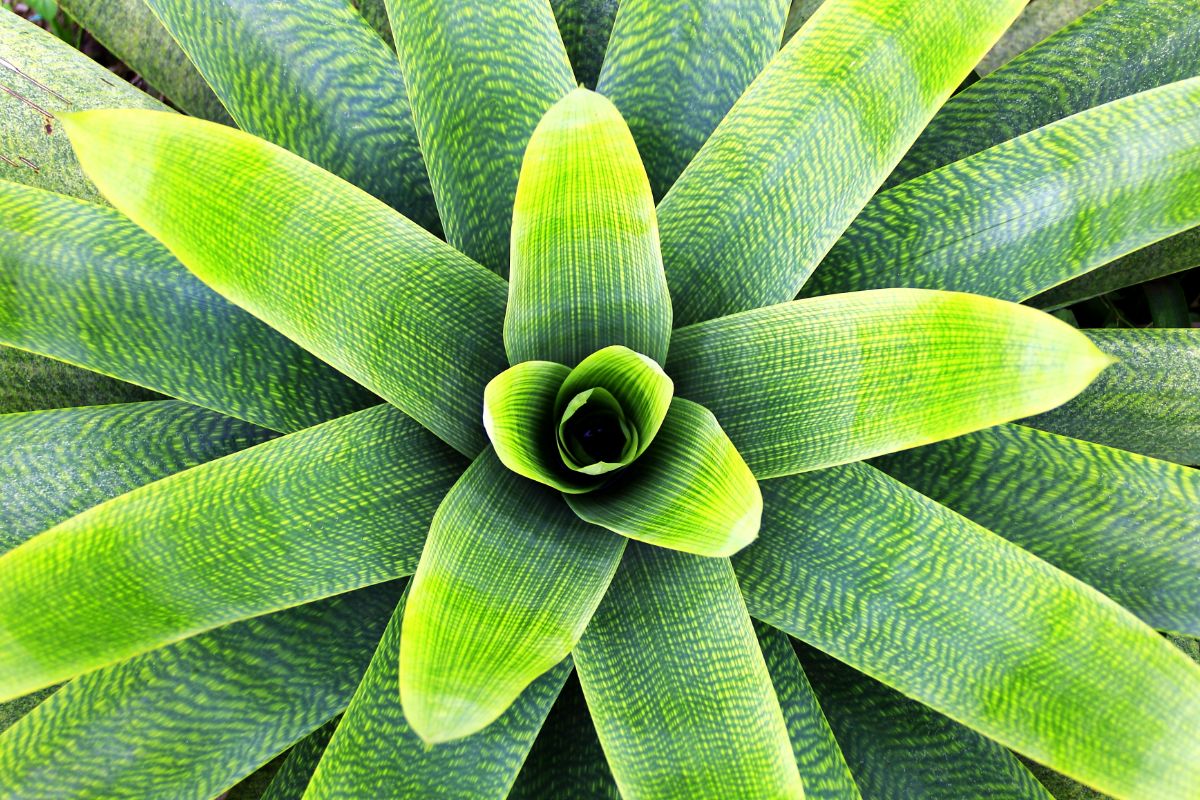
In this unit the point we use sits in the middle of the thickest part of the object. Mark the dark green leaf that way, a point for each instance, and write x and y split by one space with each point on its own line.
585 26
1168 303
30 382
291 781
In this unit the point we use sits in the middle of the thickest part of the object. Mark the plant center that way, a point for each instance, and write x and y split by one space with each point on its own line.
599 434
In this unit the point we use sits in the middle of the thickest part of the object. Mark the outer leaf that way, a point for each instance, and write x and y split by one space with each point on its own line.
61 463
586 268
518 414
808 144
508 66
899 749
1125 47
820 382
42 70
82 283
192 719
338 272
1035 211
138 39
671 658
585 26
1146 403
1036 22
818 755
690 491
507 581
337 100
973 626
375 752
705 53
329 509
566 759
30 382
292 779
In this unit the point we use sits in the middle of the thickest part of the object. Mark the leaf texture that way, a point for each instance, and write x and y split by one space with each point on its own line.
1032 212
744 225
375 752
30 382
42 75
1146 403
1123 523
671 658
814 383
313 77
81 283
343 275
586 268
971 625
585 26
331 508
507 582
520 420
291 781
62 462
508 66
191 719
675 68
900 749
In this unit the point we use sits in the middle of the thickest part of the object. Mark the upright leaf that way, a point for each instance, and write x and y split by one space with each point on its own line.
1146 403
82 283
311 76
704 55
952 615
42 75
508 66
192 719
585 26
338 272
671 658
316 513
809 142
30 382
1032 212
815 383
376 753
586 268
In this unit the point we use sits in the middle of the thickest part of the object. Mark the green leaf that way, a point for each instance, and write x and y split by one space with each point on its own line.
508 66
705 53
81 283
809 142
127 29
375 13
566 760
508 579
900 749
1146 403
376 753
818 755
315 513
338 100
671 658
585 26
586 268
47 76
1032 212
1168 303
1130 46
690 491
948 613
519 417
61 463
1173 254
14 710
290 782
338 272
1126 524
1037 21
31 382
192 719
826 381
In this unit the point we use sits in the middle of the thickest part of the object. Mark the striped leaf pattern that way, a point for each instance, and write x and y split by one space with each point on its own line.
291 781
311 76
705 53
1025 215
509 66
192 719
331 508
84 284
809 142
1147 401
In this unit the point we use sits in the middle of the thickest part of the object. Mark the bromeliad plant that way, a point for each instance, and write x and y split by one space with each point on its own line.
614 459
